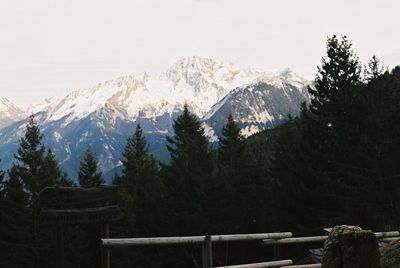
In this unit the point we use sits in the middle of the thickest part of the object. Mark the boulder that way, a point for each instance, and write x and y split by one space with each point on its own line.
390 255
351 247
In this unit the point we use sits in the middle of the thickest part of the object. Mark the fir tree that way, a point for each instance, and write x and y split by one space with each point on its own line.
396 72
374 70
232 190
51 171
140 184
135 157
16 238
188 174
305 165
88 174
28 170
339 73
29 158
231 143
141 194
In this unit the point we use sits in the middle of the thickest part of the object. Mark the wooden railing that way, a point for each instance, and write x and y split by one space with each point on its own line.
274 239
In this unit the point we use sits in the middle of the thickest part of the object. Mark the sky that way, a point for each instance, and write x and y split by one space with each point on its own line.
52 47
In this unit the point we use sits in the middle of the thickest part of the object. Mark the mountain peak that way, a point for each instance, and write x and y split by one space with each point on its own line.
9 112
289 74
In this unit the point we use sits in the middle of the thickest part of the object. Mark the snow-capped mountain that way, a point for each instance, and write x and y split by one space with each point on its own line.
265 103
198 82
9 113
104 115
42 106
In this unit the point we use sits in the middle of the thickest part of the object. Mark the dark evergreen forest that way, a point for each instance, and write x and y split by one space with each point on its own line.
336 163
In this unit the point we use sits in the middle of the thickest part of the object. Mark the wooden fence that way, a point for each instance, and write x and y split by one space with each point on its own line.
274 239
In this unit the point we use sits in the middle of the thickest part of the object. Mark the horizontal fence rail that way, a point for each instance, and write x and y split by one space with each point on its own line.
295 240
110 242
261 264
315 265
382 236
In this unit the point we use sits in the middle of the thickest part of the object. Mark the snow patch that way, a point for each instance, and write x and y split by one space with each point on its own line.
249 130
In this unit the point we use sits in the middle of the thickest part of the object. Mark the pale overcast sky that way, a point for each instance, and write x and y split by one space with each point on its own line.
50 47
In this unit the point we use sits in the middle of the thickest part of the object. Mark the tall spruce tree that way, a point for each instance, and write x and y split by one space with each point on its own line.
89 175
188 174
141 185
339 73
29 158
374 70
315 192
29 170
141 197
16 237
51 171
231 186
231 144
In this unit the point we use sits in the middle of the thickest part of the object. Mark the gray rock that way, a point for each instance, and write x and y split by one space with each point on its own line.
351 247
390 255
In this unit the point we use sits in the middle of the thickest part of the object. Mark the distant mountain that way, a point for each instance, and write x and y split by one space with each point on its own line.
9 113
104 116
263 104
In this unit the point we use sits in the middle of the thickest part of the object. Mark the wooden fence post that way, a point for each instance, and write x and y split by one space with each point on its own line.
106 250
207 252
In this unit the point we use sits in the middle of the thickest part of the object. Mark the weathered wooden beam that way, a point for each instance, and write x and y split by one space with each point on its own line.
260 264
106 251
242 237
188 239
68 197
294 240
152 241
207 252
384 236
314 265
54 217
387 234
389 239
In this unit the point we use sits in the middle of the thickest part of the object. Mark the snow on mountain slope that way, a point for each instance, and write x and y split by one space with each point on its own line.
9 112
265 103
198 82
42 106
104 115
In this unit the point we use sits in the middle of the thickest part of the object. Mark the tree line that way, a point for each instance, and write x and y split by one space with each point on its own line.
335 163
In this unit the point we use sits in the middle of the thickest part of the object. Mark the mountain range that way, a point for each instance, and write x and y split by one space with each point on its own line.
103 116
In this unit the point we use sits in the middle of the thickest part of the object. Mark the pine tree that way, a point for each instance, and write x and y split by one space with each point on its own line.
29 158
230 188
28 170
140 184
374 70
52 173
16 238
188 174
306 166
141 195
88 174
231 143
135 156
396 72
339 73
